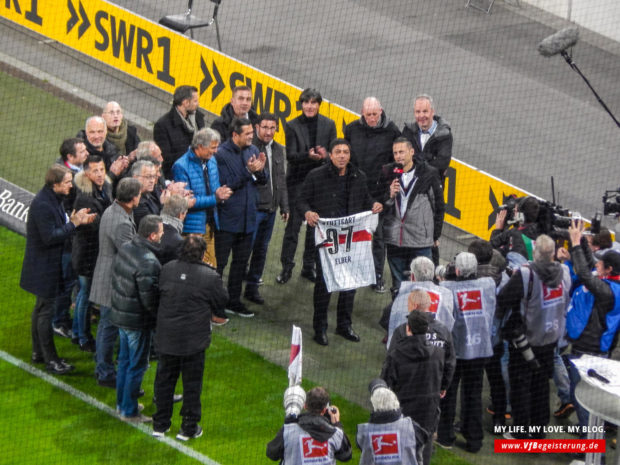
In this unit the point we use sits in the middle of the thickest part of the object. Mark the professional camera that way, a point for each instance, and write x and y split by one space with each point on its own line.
509 205
521 343
611 202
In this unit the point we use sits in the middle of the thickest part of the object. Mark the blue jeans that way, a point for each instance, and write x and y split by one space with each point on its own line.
62 317
260 240
133 360
582 414
560 377
106 337
81 325
399 260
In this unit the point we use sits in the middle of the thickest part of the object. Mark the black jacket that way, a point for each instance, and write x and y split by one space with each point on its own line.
173 137
322 187
418 367
109 153
131 142
223 124
135 285
298 146
149 205
438 149
47 230
170 244
190 292
269 200
371 148
86 240
590 339
510 240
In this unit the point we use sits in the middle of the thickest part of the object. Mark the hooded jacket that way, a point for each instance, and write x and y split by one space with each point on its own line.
534 302
285 446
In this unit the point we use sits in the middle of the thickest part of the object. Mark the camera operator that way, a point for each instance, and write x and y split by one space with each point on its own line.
592 320
519 238
533 307
317 433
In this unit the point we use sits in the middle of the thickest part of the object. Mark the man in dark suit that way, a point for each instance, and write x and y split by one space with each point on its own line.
271 196
307 138
173 132
47 228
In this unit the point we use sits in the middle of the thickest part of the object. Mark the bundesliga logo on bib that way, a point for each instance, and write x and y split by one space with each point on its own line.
385 448
552 295
314 452
470 302
435 299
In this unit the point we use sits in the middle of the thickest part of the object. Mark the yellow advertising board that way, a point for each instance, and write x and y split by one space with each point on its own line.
167 59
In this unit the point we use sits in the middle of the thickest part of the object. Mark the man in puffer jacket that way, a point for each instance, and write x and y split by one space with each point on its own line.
135 296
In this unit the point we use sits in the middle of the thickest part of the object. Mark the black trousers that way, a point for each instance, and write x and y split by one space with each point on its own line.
321 303
378 248
469 374
240 244
169 367
529 387
291 235
493 369
41 329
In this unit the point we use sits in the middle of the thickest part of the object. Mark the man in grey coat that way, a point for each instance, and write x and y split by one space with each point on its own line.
116 228
414 209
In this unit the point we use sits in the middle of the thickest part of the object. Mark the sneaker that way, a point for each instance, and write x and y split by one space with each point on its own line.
240 310
564 411
159 434
443 445
139 418
379 287
63 331
182 436
218 321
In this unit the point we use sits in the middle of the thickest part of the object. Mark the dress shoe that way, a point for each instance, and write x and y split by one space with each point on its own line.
58 367
320 337
37 358
348 334
253 295
109 383
284 276
309 274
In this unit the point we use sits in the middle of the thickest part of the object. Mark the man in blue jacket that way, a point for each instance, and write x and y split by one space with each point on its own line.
240 168
198 169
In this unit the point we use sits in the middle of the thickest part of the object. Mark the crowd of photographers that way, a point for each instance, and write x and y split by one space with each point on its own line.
141 232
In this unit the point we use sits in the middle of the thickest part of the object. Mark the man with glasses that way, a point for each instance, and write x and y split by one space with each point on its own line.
271 195
123 135
146 173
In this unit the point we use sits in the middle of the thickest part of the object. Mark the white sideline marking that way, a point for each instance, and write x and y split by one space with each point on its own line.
103 407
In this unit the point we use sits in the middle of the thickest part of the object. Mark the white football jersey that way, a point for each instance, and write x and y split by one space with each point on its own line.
345 248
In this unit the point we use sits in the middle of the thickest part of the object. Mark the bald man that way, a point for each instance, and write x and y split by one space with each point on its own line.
122 135
371 138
